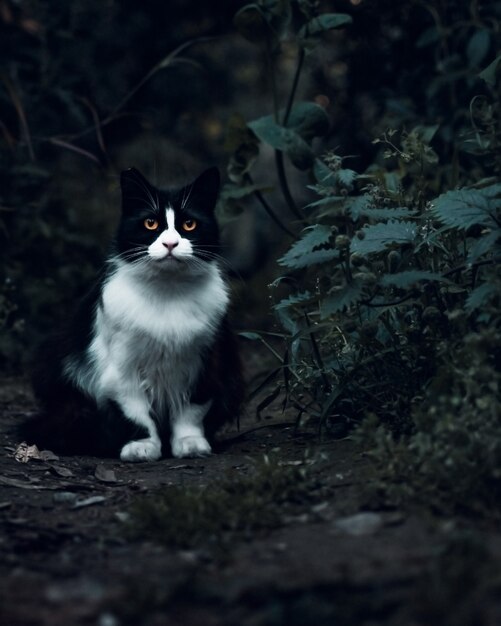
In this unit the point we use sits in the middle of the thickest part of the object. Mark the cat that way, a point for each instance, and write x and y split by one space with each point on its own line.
148 361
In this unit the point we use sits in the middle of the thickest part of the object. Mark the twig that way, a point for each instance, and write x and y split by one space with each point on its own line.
318 356
295 82
284 185
16 101
168 60
465 266
270 211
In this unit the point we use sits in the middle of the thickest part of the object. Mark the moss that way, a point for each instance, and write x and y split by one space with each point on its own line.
452 459
189 516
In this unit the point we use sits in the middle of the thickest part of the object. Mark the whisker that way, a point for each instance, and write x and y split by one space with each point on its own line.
184 201
143 186
217 257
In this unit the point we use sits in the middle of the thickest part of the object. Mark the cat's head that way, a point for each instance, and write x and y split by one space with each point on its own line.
173 229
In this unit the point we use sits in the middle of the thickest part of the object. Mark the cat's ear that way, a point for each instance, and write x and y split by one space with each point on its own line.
135 189
205 189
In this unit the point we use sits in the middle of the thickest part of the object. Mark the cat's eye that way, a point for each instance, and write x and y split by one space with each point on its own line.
150 223
189 225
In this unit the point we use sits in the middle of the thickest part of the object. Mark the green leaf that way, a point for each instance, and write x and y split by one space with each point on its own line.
426 133
363 206
483 245
378 236
492 191
313 258
248 335
302 253
489 74
250 21
292 300
428 37
263 20
298 151
327 201
322 23
346 177
463 208
358 206
284 139
478 47
323 174
408 278
480 295
387 213
308 120
340 299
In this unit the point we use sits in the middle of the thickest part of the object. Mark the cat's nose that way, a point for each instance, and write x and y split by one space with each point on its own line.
170 245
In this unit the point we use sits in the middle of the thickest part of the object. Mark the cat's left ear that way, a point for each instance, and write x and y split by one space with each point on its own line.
205 189
135 189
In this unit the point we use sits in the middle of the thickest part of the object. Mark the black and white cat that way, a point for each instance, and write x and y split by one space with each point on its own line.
148 360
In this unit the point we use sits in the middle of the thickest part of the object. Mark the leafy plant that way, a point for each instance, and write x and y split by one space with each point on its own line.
391 269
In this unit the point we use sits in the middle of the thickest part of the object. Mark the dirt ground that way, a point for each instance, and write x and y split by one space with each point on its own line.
64 558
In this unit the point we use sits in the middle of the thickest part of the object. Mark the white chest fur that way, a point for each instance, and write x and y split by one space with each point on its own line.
177 311
149 335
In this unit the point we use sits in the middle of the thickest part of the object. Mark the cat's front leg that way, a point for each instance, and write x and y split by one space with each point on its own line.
136 408
188 438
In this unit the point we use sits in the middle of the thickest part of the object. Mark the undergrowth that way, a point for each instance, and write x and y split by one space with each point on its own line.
237 506
388 303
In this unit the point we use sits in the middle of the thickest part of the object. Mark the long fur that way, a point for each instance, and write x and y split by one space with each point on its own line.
148 364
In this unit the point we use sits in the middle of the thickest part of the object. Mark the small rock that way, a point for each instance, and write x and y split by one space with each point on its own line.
105 474
61 471
65 496
89 502
360 524
108 619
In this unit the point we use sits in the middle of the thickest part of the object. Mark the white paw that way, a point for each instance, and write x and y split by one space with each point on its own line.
190 446
142 450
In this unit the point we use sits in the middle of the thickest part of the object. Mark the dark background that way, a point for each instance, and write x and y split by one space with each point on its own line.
77 106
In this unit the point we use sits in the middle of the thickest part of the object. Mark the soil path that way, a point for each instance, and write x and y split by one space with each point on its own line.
65 560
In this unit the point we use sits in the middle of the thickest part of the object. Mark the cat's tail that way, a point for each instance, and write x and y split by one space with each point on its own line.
62 430
76 427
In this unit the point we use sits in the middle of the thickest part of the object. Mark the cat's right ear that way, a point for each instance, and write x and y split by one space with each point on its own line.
135 189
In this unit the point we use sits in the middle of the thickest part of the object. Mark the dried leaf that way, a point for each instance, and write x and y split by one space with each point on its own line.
24 452
65 472
48 455
105 474
89 502
13 482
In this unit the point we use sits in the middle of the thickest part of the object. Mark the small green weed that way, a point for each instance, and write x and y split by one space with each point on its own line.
189 516
452 459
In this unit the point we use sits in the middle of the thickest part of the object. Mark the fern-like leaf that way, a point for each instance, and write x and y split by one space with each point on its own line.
293 299
304 252
408 278
463 208
480 295
378 236
340 299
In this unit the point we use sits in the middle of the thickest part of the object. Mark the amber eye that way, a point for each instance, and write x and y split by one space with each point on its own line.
189 225
150 223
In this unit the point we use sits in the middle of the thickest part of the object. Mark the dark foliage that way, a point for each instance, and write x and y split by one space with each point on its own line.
393 280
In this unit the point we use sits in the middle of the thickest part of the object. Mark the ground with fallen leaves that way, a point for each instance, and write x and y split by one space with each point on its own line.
65 558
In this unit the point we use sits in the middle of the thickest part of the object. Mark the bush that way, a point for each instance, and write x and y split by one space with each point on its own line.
395 274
